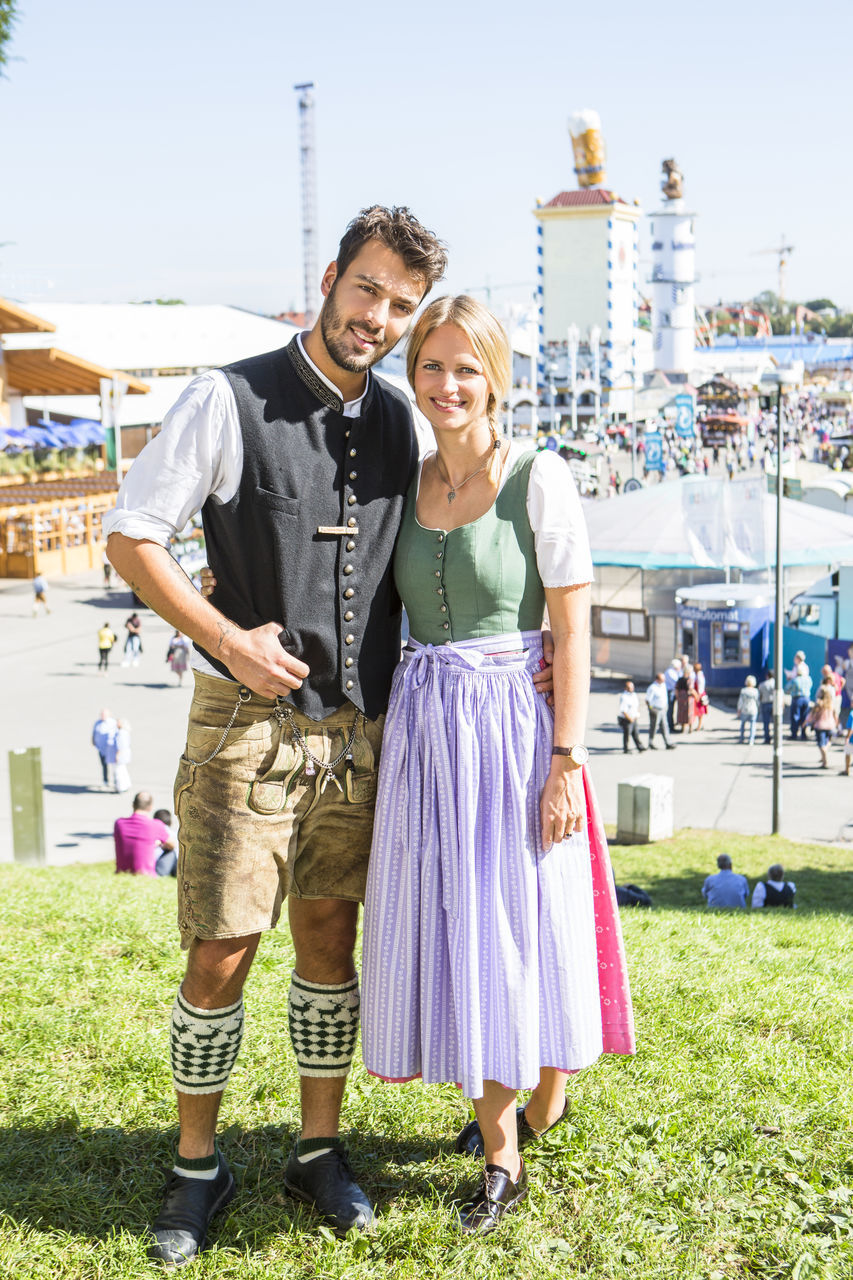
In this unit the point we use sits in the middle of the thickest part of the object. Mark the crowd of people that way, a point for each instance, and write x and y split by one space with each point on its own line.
676 700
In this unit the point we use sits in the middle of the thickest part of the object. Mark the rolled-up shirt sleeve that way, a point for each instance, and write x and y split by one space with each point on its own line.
197 455
559 528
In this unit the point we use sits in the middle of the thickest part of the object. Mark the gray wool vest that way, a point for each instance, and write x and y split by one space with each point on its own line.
307 470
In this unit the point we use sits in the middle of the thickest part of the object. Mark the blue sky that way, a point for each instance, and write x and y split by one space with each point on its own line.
151 150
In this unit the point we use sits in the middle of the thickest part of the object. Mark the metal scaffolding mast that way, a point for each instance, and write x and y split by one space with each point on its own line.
308 165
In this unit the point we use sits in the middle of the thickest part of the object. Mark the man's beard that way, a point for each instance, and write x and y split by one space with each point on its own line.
334 330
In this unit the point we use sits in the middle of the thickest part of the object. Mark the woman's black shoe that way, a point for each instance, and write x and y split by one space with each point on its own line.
180 1228
496 1195
470 1141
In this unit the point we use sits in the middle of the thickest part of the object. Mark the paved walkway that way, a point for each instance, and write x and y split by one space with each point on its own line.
53 692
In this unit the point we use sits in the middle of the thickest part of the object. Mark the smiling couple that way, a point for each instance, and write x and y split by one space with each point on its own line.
492 951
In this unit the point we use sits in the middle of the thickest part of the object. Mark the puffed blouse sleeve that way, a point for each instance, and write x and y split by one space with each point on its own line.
559 528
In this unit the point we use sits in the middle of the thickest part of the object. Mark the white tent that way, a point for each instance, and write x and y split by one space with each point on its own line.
706 523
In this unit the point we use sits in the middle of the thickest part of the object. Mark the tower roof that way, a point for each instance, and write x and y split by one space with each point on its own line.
573 199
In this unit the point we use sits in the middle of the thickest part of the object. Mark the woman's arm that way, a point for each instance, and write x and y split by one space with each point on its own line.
562 806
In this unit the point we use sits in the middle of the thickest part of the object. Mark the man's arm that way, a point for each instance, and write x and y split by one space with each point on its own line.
255 658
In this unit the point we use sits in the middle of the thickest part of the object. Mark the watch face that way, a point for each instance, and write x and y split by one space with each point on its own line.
579 754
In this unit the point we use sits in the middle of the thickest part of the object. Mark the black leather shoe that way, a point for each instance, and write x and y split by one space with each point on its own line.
470 1140
496 1195
189 1204
327 1183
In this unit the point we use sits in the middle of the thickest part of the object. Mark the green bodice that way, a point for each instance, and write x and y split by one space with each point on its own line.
478 580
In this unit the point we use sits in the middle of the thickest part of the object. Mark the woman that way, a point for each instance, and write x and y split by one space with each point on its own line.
492 948
122 756
178 655
700 697
823 719
685 698
747 708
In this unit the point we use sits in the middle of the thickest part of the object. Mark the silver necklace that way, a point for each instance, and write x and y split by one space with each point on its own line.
451 493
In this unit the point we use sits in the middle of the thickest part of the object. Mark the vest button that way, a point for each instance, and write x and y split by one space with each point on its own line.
348 569
443 609
349 615
351 523
439 591
352 451
438 555
350 684
352 500
441 537
349 639
446 626
348 662
437 573
351 545
349 593
353 475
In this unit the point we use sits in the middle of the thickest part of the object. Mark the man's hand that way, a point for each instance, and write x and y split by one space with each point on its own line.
256 658
543 680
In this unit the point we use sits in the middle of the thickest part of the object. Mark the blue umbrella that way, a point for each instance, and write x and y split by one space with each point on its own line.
91 430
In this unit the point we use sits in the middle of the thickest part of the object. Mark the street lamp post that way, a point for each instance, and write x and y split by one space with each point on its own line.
778 626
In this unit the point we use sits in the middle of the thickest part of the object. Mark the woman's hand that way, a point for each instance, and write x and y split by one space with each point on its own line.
543 679
562 808
208 581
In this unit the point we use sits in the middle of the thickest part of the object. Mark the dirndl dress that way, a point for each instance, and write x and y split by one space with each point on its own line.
485 958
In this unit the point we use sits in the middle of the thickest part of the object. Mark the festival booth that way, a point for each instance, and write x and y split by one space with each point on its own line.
661 542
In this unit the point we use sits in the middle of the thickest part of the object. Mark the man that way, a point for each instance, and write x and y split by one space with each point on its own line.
140 839
657 702
800 689
671 677
766 693
300 461
628 717
775 891
726 890
104 733
133 640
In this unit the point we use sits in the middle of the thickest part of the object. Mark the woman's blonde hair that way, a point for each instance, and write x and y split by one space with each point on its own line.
486 335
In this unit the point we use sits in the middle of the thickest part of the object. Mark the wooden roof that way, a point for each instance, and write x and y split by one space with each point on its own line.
15 320
46 371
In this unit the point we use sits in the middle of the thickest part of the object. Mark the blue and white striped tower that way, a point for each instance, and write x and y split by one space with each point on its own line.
673 278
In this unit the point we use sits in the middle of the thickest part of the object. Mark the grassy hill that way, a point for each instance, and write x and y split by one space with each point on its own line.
723 1149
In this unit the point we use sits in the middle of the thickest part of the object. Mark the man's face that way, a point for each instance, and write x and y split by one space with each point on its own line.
369 308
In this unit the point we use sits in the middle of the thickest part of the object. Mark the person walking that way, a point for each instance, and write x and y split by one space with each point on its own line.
178 655
657 701
123 756
800 689
306 454
671 677
747 709
40 594
628 716
700 696
132 641
104 733
766 693
106 640
823 720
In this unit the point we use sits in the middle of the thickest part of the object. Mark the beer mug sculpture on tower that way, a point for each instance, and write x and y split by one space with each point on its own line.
588 148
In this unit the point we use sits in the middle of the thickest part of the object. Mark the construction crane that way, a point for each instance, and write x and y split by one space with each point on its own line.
783 251
308 166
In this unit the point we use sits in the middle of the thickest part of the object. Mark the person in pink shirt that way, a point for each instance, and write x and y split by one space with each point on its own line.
140 838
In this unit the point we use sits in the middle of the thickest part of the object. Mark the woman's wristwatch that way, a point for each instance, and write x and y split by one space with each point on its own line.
578 754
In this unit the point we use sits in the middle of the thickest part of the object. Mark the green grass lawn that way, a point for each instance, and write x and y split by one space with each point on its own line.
723 1149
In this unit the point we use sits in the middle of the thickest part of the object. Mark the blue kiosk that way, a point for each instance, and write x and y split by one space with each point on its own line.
727 627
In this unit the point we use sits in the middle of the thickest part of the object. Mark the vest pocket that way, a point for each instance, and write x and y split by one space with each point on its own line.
278 501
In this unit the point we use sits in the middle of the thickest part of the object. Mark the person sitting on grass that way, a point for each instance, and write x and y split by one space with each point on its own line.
726 890
775 891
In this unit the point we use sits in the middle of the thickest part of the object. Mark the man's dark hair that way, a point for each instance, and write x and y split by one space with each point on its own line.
399 230
163 815
724 862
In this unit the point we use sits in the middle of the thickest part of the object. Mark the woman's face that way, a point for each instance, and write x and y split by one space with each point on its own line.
451 389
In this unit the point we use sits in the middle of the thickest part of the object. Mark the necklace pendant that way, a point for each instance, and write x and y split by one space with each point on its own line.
309 769
451 496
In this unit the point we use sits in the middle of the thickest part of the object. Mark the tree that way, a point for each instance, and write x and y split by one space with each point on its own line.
820 304
7 21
